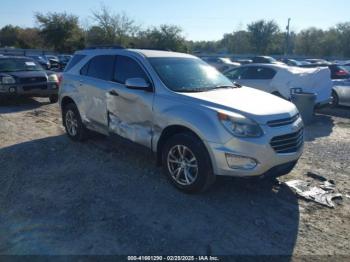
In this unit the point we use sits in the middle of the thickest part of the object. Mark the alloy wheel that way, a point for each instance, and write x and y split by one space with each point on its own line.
182 165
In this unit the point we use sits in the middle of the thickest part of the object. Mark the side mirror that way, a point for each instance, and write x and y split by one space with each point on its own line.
138 83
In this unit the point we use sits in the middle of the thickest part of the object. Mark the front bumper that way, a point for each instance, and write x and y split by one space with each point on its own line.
258 149
38 89
323 103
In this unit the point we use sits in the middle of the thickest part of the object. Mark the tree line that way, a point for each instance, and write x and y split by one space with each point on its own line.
63 33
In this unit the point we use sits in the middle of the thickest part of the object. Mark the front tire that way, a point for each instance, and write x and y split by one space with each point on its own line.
75 128
187 164
53 99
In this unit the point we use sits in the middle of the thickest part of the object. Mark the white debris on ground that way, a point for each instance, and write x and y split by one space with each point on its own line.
322 194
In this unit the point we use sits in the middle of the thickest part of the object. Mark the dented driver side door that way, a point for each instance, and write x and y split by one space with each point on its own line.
130 113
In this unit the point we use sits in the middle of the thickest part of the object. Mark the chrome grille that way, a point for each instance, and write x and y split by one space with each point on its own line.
290 143
28 88
32 80
284 121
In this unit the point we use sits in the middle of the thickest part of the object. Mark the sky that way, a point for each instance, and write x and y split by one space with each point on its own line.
199 19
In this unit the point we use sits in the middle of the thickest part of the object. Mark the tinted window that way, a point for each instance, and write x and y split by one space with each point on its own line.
84 69
75 60
128 68
101 67
258 73
235 73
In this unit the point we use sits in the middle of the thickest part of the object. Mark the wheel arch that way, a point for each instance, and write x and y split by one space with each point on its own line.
169 132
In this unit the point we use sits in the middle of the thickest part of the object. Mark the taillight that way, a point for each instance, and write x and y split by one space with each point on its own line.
342 73
60 78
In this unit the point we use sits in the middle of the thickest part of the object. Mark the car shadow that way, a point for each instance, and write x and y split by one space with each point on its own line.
339 111
19 104
321 126
102 197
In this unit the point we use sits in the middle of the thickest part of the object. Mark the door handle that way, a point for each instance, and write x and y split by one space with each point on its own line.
113 93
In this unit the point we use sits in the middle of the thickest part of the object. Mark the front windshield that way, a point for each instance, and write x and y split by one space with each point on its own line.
188 74
16 65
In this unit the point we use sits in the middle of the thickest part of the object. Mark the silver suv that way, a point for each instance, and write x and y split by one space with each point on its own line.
197 122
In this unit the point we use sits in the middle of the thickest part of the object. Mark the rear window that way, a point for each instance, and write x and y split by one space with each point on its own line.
259 73
75 60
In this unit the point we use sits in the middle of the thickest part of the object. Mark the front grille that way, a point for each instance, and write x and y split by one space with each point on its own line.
31 80
283 122
28 88
290 143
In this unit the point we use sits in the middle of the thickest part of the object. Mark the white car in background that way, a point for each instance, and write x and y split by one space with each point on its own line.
281 79
220 63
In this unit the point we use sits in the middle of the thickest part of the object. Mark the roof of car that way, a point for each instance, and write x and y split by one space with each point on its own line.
15 57
143 52
279 66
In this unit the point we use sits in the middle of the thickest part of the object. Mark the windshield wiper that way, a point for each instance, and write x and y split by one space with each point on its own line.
193 90
223 86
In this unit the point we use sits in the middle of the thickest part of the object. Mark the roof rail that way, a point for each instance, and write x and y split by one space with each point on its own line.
104 47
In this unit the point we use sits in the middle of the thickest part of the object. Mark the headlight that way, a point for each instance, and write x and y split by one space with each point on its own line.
53 78
8 80
240 126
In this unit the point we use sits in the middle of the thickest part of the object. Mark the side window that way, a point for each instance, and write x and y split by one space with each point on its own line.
235 73
75 60
100 67
261 73
127 68
84 69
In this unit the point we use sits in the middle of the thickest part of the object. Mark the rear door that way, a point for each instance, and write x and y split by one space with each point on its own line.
97 81
130 111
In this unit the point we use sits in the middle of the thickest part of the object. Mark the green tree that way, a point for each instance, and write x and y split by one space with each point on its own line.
343 31
308 42
166 37
113 28
262 34
60 31
9 36
29 38
237 42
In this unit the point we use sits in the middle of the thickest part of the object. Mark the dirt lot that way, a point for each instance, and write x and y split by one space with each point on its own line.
105 197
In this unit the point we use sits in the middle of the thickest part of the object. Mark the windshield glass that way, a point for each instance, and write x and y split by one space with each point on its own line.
188 74
15 65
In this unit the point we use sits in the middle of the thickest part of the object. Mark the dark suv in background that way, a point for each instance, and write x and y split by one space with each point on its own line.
23 76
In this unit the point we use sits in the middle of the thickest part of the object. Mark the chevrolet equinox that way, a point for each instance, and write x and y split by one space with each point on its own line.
197 122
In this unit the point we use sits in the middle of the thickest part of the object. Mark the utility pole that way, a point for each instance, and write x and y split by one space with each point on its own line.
286 52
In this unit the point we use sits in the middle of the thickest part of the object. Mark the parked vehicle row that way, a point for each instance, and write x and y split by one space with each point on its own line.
52 62
220 63
259 72
280 80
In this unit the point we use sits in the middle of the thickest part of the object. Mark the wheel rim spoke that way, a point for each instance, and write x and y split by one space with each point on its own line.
182 165
71 123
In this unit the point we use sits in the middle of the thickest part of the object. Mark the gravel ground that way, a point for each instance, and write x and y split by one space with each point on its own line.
107 197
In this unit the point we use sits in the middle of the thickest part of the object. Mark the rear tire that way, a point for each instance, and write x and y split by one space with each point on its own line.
187 164
335 99
53 99
75 128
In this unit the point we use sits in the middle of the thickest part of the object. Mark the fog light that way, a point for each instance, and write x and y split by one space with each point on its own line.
240 162
12 89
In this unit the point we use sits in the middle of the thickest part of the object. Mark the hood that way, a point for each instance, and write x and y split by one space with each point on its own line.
254 104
